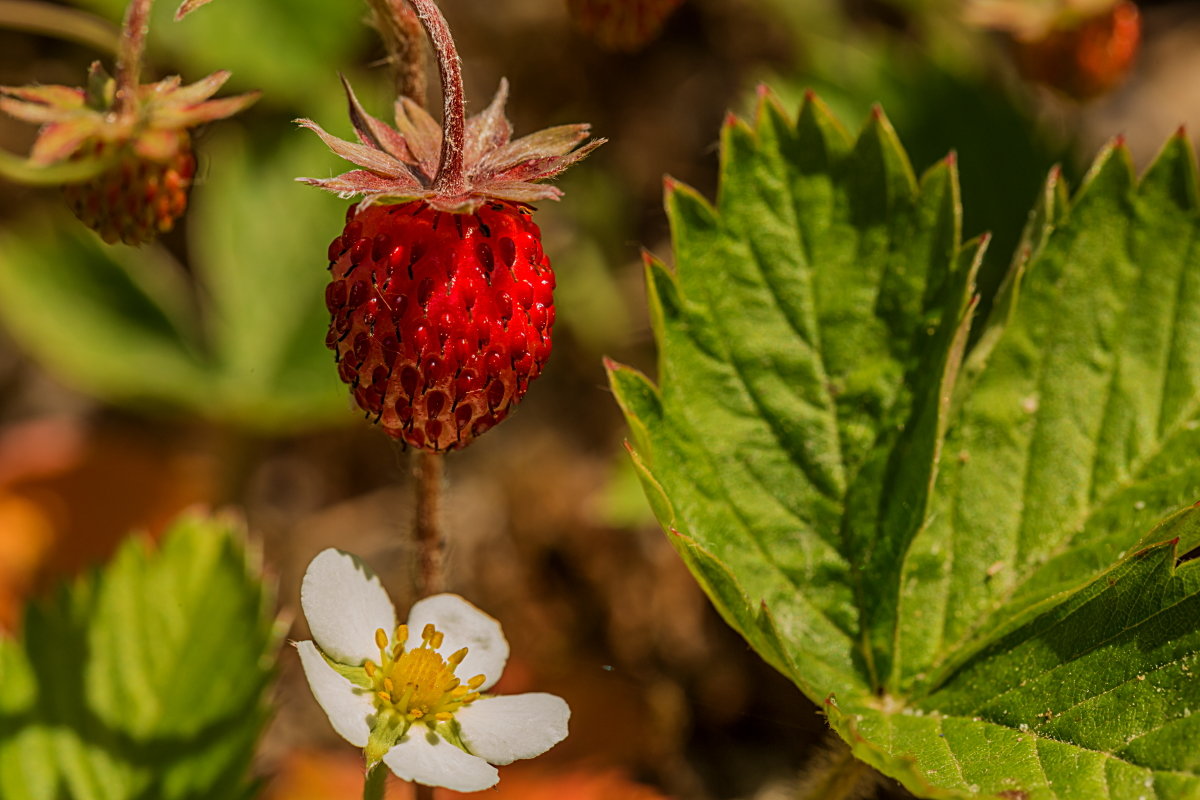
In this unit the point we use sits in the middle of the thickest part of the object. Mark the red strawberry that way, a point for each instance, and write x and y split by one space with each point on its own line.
440 320
441 296
141 146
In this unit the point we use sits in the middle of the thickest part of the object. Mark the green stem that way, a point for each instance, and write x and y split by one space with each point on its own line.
376 783
19 170
43 19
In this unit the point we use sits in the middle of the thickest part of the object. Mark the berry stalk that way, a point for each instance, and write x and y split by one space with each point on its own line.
427 525
451 178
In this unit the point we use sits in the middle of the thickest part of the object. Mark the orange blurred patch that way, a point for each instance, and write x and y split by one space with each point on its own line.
69 492
321 775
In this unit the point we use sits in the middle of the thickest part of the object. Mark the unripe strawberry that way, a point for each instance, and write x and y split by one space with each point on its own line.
440 294
439 320
622 24
141 147
136 199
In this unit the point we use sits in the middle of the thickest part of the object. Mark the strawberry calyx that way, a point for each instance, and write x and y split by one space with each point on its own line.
401 163
152 125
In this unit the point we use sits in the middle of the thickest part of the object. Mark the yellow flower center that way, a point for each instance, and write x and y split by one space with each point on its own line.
419 684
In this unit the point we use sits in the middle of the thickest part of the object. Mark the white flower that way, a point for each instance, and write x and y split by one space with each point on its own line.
413 695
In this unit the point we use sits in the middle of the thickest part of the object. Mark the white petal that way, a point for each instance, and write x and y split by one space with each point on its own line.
464 625
427 758
348 709
345 604
503 729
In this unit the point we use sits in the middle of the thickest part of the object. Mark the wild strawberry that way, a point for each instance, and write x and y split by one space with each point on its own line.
137 141
440 320
440 294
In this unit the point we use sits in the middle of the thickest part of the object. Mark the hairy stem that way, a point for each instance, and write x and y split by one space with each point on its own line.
836 774
376 783
428 522
400 29
451 179
129 56
60 22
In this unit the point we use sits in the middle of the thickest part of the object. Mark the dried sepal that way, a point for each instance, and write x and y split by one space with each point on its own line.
402 163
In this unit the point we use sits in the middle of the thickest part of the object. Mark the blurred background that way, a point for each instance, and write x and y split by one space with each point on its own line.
137 382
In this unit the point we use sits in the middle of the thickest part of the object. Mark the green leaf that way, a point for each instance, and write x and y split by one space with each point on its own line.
1083 430
933 541
148 680
1096 696
115 323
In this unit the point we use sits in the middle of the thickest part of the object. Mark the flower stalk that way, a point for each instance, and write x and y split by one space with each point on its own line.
129 56
376 784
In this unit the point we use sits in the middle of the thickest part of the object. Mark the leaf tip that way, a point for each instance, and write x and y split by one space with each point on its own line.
1181 132
730 119
951 159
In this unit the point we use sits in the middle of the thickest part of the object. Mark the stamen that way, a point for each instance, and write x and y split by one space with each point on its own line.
456 658
389 686
397 651
370 668
428 632
384 696
380 639
437 639
443 716
401 635
477 681
459 691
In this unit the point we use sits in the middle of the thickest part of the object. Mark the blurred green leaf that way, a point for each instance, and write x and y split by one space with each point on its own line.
260 258
125 324
287 49
114 322
148 680
810 342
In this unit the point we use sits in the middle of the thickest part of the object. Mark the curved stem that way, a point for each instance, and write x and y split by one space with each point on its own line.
376 783
60 22
129 58
401 32
451 179
428 522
